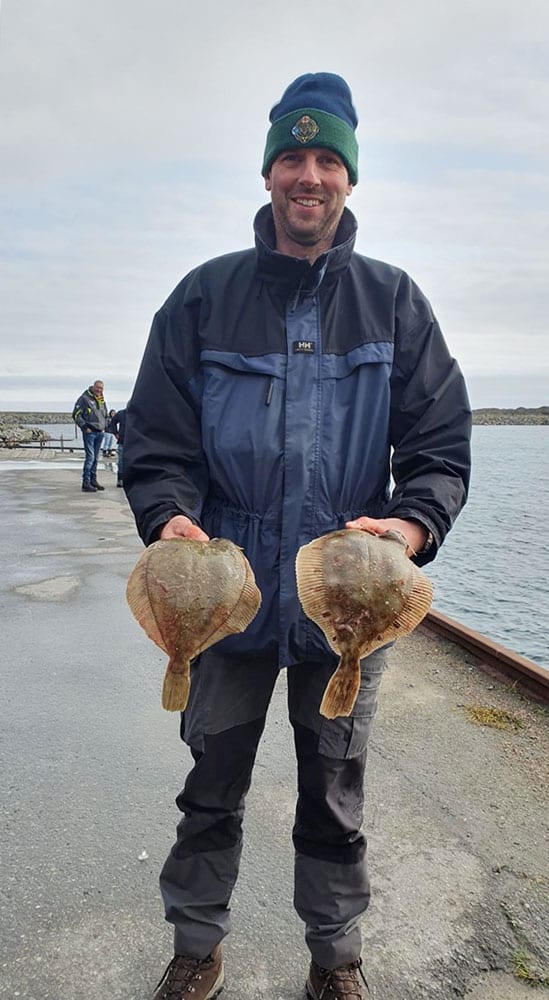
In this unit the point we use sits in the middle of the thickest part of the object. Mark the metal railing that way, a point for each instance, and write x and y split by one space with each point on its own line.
52 444
523 672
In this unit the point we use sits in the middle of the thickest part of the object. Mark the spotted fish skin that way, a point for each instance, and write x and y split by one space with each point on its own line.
363 592
188 595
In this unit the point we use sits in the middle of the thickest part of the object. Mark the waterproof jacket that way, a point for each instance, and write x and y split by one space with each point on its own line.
90 413
269 399
117 425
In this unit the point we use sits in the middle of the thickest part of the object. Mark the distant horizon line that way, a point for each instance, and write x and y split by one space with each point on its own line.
474 409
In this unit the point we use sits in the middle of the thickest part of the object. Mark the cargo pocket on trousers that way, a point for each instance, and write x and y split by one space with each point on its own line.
348 736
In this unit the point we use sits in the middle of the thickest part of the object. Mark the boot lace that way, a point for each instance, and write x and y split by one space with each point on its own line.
183 971
343 982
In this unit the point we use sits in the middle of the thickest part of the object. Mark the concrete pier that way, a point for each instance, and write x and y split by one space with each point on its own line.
457 817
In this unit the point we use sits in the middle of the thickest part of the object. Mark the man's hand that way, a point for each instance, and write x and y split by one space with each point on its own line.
182 527
414 533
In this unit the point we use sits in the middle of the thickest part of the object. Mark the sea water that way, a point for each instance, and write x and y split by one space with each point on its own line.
491 572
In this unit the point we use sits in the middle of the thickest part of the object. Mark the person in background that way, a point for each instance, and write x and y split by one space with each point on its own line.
108 440
90 414
119 427
280 388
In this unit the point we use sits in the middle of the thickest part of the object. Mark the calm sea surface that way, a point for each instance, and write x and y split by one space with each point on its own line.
491 573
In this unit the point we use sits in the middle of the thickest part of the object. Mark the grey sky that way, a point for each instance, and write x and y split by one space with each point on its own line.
131 142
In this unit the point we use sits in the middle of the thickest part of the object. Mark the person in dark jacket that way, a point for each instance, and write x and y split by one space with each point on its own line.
118 425
280 388
91 415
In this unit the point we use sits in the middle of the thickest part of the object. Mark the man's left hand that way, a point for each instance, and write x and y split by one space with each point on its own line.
414 533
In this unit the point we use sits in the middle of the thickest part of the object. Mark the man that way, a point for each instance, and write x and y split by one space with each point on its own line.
273 387
91 415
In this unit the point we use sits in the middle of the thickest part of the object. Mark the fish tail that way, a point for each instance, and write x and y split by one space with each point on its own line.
342 688
177 683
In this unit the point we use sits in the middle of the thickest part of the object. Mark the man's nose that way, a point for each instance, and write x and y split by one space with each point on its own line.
309 173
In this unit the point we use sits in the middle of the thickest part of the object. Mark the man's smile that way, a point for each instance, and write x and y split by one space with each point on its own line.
308 202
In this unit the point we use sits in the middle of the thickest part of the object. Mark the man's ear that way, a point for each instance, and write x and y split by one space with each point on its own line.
268 184
349 189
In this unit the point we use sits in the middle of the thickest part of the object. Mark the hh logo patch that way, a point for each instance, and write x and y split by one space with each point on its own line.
304 347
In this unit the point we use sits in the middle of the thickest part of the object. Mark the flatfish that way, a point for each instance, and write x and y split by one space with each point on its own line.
362 591
187 595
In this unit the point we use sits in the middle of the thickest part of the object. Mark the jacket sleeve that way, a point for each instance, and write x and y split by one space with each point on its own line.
79 411
165 470
430 423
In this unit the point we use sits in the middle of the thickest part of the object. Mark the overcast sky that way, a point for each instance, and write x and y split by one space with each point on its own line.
130 149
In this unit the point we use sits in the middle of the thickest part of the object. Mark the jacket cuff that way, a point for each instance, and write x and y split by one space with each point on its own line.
408 514
153 525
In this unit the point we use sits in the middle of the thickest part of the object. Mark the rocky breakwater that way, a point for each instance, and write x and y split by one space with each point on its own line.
15 432
520 415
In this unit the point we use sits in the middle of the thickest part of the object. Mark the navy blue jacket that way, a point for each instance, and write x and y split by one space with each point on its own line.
270 399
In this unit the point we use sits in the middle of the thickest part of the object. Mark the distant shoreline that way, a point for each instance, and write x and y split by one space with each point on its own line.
487 416
521 415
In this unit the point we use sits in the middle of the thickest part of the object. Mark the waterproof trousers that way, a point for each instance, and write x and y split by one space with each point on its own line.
223 724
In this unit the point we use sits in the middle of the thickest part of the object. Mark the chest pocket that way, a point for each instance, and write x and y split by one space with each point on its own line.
356 399
243 425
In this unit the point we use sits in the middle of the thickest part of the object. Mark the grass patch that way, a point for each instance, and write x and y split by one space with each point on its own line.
495 718
519 961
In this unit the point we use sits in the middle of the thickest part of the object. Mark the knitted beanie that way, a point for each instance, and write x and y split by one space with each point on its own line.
315 110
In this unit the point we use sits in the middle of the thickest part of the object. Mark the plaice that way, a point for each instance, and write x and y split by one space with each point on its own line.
188 595
363 592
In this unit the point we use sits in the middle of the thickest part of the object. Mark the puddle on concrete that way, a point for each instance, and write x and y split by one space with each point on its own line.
7 465
92 551
55 589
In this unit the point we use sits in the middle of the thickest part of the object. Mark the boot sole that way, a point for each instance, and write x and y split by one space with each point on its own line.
217 987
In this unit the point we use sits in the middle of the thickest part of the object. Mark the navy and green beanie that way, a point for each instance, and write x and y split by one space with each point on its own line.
315 110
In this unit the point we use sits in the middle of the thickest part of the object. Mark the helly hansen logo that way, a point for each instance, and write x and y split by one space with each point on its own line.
304 347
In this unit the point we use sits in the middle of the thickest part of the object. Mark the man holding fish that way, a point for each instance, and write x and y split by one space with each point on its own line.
280 388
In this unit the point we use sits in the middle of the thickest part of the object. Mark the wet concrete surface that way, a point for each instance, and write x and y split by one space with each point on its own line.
456 812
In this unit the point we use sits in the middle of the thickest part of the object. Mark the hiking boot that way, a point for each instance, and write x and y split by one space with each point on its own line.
96 485
201 978
336 984
88 488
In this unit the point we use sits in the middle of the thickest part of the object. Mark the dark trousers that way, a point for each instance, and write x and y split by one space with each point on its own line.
223 724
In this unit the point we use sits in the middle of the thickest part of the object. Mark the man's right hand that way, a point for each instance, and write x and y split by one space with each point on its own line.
182 527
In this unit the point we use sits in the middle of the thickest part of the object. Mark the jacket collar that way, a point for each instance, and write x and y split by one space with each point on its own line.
273 264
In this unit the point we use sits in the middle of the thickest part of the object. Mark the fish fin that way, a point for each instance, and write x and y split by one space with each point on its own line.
176 687
342 688
137 596
418 603
309 569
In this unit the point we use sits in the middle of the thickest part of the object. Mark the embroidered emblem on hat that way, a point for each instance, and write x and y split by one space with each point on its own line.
305 129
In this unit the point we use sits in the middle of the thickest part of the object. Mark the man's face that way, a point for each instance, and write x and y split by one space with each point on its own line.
97 389
308 191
